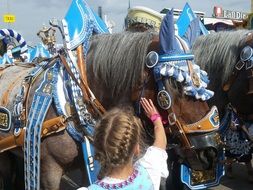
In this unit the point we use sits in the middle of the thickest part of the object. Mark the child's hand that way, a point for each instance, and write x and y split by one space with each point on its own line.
152 113
148 107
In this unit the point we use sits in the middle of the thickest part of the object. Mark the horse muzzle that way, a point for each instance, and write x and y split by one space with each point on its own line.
205 142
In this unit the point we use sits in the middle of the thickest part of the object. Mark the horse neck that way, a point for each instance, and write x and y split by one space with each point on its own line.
102 93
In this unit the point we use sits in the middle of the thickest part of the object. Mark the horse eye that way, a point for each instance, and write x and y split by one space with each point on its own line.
246 53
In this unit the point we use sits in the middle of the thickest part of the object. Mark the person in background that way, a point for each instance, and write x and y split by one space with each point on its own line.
117 143
239 139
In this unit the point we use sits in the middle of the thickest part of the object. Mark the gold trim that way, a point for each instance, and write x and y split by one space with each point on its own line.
204 125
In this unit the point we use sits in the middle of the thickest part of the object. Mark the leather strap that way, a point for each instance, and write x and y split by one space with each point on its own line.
238 67
194 76
81 63
96 105
190 154
174 122
49 127
53 125
187 148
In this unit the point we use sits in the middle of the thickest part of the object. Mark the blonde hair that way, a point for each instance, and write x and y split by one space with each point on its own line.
116 136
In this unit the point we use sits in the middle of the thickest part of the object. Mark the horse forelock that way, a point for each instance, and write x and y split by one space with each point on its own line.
219 52
118 60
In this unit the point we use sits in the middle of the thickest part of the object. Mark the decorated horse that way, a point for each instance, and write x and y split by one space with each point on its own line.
50 111
141 19
34 105
228 60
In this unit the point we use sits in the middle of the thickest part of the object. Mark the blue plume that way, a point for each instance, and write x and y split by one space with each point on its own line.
189 26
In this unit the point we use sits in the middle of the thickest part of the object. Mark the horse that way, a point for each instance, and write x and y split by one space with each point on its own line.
110 62
226 56
116 75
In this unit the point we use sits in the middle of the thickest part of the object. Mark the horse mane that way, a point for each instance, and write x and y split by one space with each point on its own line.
219 52
118 60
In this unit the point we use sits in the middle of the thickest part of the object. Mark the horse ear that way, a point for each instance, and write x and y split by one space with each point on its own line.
167 40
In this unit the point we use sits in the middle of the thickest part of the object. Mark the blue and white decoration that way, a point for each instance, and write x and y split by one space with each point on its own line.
39 51
5 35
6 59
12 33
78 26
40 105
81 22
176 61
180 72
189 25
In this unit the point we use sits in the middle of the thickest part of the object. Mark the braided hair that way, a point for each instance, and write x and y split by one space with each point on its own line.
115 139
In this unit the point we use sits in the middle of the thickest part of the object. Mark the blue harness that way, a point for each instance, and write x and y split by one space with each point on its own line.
41 102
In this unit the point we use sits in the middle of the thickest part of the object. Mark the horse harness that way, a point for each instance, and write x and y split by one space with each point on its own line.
207 124
245 62
20 114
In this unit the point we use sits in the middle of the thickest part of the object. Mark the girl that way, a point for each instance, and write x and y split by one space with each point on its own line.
117 142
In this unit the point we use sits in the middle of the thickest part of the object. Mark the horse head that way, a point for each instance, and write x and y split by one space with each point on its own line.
241 79
227 56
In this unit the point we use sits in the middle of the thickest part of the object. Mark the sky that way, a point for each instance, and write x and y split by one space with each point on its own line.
31 15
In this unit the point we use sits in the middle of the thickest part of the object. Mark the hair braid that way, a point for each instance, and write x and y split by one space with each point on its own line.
115 138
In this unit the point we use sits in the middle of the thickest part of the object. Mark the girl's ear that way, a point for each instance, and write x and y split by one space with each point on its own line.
137 150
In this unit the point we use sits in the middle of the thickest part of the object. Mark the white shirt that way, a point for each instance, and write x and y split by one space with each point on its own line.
154 161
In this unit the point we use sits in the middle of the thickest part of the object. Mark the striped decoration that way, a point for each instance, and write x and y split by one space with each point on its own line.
12 33
180 72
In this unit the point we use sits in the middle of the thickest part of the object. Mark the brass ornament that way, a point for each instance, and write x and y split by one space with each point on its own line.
164 99
47 88
200 177
4 120
195 79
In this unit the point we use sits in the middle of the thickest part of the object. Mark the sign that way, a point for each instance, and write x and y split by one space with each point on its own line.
9 18
218 12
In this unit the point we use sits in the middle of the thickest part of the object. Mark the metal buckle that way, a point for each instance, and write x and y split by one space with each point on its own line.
172 118
239 65
246 53
28 79
152 59
249 64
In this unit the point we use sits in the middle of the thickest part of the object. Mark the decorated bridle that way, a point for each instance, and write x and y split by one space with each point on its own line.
177 64
207 124
245 62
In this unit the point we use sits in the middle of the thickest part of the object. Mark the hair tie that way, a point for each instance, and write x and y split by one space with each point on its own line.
154 117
